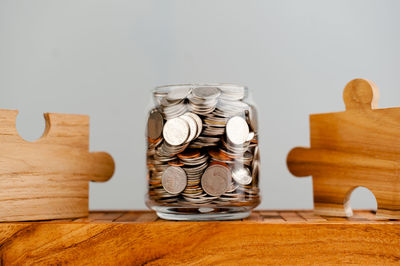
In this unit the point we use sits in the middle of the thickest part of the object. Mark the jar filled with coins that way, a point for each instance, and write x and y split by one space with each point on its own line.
203 160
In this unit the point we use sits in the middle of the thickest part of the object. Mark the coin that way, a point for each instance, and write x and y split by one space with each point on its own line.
189 154
216 180
192 126
250 136
178 93
237 130
175 163
206 92
231 108
199 123
232 92
173 111
218 155
232 187
155 124
176 131
242 176
174 180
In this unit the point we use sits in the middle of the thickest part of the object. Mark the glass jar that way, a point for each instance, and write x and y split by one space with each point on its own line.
203 158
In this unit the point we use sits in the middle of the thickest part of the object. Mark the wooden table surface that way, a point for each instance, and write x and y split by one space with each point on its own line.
139 237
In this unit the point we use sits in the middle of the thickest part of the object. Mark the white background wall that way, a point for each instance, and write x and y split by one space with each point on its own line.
102 57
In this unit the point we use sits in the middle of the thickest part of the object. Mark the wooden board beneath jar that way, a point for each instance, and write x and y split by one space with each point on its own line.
139 237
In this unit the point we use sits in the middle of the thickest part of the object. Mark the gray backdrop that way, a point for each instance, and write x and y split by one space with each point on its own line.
102 57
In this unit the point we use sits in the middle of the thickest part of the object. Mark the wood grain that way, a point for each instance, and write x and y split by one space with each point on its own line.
141 239
48 178
357 147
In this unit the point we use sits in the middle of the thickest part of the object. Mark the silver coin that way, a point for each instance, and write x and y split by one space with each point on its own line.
232 92
174 111
176 131
233 105
242 176
206 92
216 180
178 93
192 126
174 180
237 130
232 187
250 136
198 122
165 102
155 124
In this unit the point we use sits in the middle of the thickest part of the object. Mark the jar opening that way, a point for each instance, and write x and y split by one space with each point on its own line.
163 90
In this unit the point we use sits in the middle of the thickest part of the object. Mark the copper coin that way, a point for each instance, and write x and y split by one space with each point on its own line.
216 180
155 124
219 163
174 180
189 154
175 163
217 154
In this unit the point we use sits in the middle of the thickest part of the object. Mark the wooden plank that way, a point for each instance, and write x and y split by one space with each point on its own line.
269 213
336 219
309 216
128 217
271 217
254 217
291 216
85 219
368 215
359 216
147 217
104 217
230 242
302 216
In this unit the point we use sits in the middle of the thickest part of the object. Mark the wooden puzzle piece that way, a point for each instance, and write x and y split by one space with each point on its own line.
357 147
48 178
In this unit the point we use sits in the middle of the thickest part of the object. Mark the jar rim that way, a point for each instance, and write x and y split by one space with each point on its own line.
167 88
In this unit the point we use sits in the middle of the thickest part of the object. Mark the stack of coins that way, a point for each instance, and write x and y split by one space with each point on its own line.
203 147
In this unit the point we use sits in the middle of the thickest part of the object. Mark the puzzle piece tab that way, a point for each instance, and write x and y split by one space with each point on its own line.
357 147
48 178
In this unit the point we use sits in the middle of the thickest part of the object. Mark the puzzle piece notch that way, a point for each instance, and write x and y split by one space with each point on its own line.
338 170
64 129
48 178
